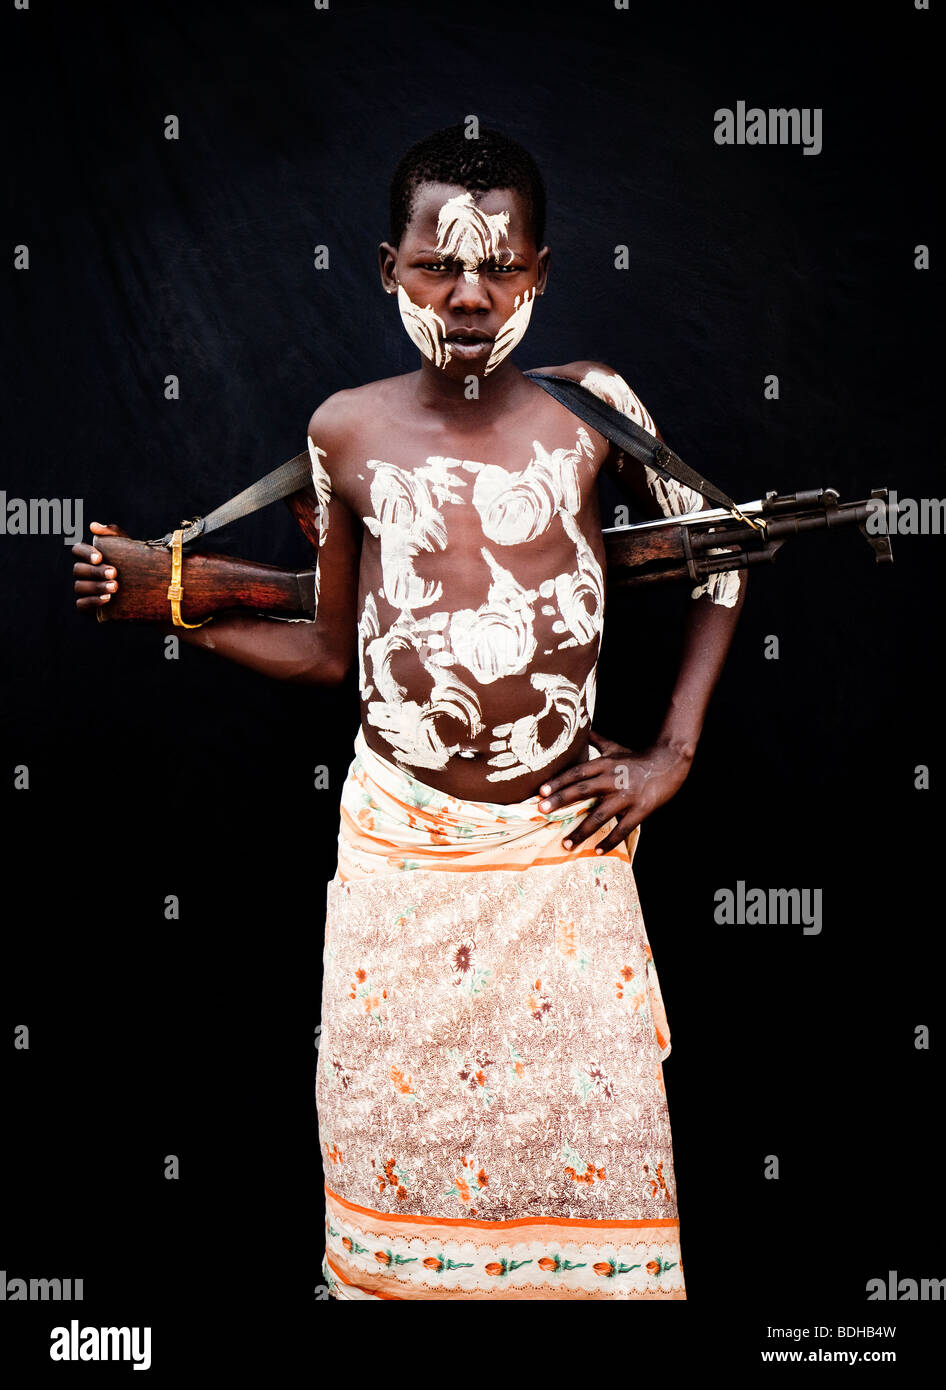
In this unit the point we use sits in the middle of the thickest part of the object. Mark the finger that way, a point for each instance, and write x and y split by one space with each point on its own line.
94 572
610 806
551 788
88 586
599 785
88 553
625 826
84 603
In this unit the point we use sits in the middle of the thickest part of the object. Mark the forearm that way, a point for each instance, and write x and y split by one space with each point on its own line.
707 638
284 651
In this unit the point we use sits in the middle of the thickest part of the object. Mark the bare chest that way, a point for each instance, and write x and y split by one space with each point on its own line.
481 599
524 500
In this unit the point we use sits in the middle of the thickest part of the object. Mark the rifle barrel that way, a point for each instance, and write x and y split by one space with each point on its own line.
682 546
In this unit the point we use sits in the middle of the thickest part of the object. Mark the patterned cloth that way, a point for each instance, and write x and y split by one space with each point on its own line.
492 1112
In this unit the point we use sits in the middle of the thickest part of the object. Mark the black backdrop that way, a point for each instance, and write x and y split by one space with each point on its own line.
150 777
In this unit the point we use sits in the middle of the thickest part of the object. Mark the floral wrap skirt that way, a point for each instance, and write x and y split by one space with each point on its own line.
491 1104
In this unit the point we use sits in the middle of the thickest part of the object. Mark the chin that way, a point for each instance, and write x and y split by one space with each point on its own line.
459 371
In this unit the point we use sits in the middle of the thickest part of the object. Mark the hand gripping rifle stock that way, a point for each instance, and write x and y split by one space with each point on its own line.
208 584
159 581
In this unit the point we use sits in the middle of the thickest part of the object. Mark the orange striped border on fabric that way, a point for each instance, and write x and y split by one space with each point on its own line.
578 1222
402 1255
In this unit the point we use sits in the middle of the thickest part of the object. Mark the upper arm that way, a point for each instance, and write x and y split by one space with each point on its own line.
339 552
652 495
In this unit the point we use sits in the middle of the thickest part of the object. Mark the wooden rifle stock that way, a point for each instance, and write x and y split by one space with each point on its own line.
670 550
211 583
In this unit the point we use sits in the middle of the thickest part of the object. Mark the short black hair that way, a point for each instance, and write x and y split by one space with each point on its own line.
492 160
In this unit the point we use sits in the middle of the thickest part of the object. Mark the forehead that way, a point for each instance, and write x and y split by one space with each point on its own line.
430 198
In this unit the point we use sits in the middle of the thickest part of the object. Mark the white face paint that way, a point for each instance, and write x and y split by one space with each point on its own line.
472 238
673 498
425 328
512 330
467 235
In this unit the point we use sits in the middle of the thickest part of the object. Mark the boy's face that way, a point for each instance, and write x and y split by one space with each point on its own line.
466 275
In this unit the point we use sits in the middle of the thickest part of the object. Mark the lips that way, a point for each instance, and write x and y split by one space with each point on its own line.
469 336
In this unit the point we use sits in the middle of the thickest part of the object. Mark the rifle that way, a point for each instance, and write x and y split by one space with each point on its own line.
699 544
688 547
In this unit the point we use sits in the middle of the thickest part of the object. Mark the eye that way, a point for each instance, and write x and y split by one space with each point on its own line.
496 269
434 265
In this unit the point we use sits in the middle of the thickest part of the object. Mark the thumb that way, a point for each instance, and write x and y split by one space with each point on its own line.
607 746
600 741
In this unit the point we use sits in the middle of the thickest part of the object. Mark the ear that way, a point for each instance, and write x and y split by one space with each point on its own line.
387 264
542 275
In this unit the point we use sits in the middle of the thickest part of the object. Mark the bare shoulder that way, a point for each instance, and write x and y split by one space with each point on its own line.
337 414
608 385
577 370
336 424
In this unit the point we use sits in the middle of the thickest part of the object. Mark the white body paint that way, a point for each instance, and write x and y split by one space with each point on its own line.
323 492
323 487
518 507
517 746
673 498
580 596
496 639
407 521
591 690
408 726
368 628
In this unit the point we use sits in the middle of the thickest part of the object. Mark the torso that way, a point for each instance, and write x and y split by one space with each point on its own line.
481 589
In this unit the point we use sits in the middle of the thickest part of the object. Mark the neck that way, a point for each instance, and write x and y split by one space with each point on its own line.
439 392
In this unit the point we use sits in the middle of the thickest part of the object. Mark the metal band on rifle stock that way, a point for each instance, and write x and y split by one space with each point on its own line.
176 588
688 552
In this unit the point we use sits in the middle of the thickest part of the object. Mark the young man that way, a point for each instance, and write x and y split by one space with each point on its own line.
490 1082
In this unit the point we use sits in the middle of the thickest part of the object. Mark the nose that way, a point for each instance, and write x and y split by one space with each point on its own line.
468 296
